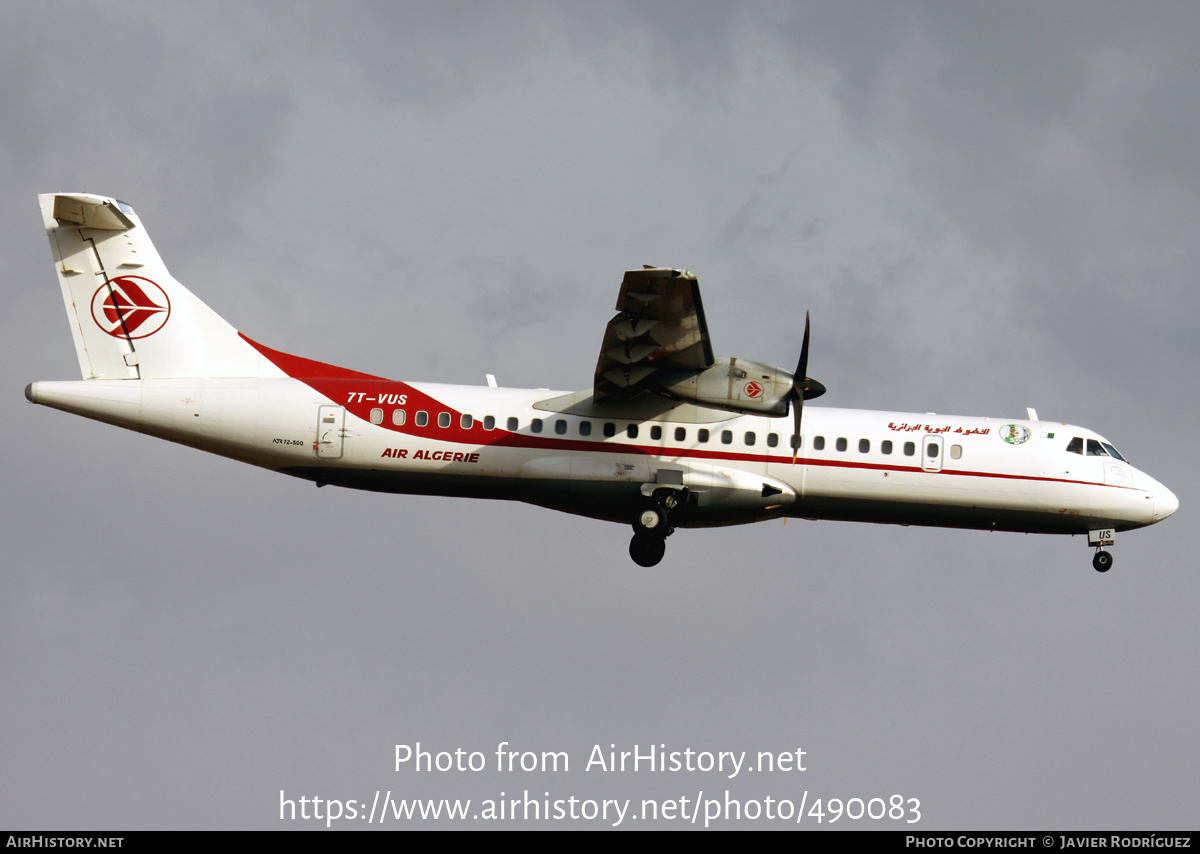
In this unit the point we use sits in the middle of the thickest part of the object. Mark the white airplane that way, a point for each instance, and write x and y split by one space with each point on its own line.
668 436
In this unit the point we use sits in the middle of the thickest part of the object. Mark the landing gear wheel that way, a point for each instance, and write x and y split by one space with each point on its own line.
647 549
651 519
1102 562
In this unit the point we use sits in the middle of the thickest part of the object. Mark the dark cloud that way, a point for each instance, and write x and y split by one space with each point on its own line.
1062 132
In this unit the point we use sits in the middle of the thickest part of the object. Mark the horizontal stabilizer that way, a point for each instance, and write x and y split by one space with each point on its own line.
91 211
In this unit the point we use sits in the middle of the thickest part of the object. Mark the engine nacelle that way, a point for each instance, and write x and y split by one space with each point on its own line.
737 385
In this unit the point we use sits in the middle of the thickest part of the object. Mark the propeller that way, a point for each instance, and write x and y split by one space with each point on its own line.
803 388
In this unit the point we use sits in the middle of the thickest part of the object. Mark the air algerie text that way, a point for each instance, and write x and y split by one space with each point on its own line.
444 456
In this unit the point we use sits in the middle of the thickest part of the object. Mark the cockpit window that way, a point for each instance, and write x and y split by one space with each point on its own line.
1095 448
1113 452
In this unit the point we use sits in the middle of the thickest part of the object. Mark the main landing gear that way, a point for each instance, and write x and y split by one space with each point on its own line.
652 526
1103 561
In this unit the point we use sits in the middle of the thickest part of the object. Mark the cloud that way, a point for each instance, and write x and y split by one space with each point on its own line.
985 207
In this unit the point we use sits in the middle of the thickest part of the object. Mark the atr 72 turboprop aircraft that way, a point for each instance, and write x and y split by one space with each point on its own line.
667 436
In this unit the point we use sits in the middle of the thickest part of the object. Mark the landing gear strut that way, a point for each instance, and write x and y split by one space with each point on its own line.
652 526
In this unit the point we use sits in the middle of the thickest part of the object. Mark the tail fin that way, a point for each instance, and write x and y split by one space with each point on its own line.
130 319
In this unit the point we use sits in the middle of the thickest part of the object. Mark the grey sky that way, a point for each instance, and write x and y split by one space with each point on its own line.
985 207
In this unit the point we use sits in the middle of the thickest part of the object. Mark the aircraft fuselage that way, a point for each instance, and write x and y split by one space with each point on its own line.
429 439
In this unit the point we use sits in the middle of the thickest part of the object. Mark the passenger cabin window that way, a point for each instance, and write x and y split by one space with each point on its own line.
655 432
726 437
864 446
610 429
772 440
631 431
560 427
422 418
512 425
749 438
376 416
956 452
841 444
585 428
443 419
680 434
910 448
489 422
796 441
466 422
818 443
702 435
536 425
886 446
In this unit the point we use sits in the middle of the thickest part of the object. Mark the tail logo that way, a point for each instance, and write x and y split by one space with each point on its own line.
130 307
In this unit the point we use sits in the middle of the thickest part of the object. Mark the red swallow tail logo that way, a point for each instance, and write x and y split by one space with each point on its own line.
130 307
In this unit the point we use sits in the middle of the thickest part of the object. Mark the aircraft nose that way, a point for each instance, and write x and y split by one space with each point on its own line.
1165 503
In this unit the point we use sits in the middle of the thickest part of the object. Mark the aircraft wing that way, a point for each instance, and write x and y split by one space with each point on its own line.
659 329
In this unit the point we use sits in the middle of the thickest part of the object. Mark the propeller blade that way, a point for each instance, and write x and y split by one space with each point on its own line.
802 365
798 389
803 387
797 411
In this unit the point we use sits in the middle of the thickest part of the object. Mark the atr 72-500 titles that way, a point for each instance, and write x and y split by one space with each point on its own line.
668 435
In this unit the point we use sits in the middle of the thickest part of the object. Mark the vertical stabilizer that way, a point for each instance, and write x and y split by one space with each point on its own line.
129 318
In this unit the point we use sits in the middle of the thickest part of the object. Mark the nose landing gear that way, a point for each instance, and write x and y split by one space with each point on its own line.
1102 561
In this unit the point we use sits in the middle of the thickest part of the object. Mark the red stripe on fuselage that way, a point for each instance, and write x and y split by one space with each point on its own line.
299 368
345 388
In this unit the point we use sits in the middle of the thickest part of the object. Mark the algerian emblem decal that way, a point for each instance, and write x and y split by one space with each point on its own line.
130 307
1015 434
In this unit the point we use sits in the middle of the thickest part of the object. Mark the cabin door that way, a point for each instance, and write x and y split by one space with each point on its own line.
330 423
